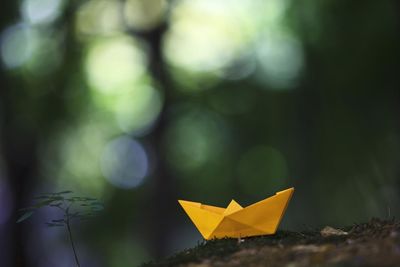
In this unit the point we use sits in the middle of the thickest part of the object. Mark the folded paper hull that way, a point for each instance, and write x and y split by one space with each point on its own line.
261 218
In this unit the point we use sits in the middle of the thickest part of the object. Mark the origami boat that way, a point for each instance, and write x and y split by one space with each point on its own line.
261 218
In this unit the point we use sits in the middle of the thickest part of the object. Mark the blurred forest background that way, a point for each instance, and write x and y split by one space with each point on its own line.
143 102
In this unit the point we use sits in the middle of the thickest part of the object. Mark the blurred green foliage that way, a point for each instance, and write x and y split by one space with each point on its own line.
144 102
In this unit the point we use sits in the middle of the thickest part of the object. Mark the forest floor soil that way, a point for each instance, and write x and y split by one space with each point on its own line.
375 243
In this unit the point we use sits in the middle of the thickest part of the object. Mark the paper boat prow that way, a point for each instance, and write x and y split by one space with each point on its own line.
205 220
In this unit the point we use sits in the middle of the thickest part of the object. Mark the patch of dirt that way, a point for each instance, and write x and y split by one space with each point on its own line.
376 243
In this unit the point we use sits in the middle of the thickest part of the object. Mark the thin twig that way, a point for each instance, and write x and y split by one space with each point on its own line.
72 241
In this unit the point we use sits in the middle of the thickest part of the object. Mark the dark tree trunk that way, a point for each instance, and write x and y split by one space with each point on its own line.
163 195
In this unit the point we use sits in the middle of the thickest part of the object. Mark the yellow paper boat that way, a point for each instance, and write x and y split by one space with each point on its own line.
261 218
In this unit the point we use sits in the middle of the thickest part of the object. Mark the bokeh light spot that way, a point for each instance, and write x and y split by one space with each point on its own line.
41 11
240 68
144 15
72 156
116 71
114 65
99 17
124 163
136 111
213 30
194 139
281 59
47 55
209 39
262 170
17 45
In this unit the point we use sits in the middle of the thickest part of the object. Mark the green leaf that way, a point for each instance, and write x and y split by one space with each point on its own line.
63 192
27 209
56 204
43 203
25 216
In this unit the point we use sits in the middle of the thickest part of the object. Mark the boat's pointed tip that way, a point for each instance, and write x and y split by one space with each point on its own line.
188 203
289 190
234 202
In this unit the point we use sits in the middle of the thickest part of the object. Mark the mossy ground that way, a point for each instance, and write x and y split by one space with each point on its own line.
375 243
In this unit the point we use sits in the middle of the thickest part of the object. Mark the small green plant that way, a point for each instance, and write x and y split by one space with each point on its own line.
73 207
